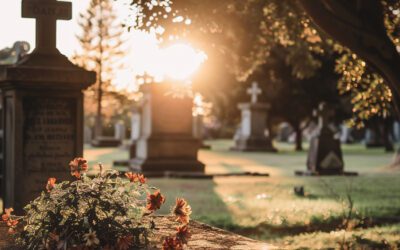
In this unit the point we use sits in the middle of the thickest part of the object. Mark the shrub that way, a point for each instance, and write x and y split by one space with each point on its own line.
106 211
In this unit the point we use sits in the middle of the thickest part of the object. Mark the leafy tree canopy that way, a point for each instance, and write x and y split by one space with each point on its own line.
240 35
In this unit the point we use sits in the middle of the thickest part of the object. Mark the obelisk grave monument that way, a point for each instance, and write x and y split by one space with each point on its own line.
43 109
252 136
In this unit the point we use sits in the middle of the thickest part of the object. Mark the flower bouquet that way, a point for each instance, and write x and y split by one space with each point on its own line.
108 211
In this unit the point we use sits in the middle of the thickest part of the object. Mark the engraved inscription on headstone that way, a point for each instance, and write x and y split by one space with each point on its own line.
59 10
49 132
167 122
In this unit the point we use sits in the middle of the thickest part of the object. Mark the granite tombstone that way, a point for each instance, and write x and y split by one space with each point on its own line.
43 109
325 154
252 135
166 142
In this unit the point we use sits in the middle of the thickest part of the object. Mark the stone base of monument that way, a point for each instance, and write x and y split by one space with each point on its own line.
132 154
205 146
189 175
374 145
162 166
105 142
203 236
253 144
326 173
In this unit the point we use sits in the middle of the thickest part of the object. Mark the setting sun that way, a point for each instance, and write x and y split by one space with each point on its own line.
178 61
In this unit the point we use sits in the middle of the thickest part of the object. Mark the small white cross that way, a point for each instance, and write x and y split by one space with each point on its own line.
254 91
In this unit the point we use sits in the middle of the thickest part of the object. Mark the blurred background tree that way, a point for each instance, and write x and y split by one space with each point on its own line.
102 49
239 37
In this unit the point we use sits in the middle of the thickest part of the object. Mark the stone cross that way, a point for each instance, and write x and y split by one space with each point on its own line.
254 91
46 13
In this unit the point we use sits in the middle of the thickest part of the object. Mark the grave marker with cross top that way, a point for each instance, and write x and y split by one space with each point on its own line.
46 13
42 109
254 91
324 114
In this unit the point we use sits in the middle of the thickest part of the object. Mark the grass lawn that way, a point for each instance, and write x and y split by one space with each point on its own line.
266 208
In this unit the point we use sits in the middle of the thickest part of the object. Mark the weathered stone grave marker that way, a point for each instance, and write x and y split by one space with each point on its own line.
325 154
251 136
43 109
120 131
166 142
135 131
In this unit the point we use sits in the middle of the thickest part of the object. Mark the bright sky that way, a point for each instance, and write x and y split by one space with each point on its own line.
178 61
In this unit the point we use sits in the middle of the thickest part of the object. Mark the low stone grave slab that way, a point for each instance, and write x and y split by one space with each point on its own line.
203 237
105 142
194 175
313 173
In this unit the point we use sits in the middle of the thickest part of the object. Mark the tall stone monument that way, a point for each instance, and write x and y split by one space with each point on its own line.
166 142
325 154
43 109
252 136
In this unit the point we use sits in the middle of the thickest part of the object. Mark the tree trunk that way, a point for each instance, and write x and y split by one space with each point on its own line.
387 135
98 129
98 132
299 137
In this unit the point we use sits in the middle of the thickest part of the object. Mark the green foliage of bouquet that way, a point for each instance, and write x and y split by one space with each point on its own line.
106 211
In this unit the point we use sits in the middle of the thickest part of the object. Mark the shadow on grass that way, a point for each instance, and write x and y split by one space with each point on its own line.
372 244
207 205
267 231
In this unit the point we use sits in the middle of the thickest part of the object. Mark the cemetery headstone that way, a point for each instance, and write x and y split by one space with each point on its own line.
87 135
325 154
198 130
109 141
373 137
43 109
135 135
135 131
120 131
284 133
198 120
166 142
252 136
345 135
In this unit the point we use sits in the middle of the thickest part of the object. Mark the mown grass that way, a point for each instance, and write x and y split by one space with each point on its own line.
266 208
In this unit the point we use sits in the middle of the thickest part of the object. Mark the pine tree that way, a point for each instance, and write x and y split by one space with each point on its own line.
101 43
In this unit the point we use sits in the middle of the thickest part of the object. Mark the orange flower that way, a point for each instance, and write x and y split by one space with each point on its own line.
183 233
125 242
154 201
134 177
171 243
51 182
78 166
12 223
182 211
7 214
